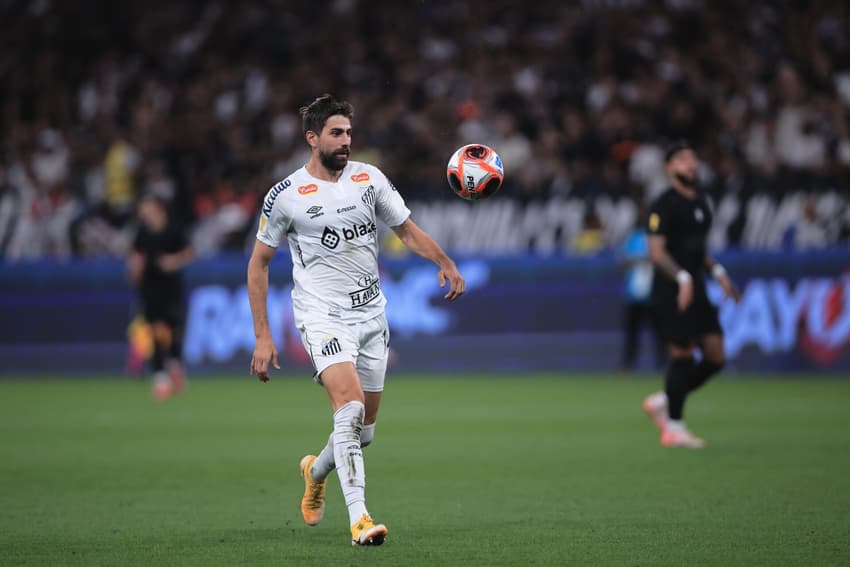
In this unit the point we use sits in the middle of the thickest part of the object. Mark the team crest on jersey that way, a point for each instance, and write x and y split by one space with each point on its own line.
307 189
360 177
368 195
698 214
654 221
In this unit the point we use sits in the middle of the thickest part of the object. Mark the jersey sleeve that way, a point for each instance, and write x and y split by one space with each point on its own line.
658 219
389 204
274 221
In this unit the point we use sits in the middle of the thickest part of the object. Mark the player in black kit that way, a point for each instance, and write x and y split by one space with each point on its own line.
160 252
678 225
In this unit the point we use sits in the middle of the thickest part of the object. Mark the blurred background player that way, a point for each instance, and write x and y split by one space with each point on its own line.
678 226
160 252
328 211
637 310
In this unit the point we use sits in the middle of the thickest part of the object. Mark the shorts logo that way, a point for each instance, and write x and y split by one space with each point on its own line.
360 177
331 347
330 238
698 214
368 196
315 211
307 189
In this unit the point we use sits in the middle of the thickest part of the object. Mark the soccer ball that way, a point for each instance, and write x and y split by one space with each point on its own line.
475 172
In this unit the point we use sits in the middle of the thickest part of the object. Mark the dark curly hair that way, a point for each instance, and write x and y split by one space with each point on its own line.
315 114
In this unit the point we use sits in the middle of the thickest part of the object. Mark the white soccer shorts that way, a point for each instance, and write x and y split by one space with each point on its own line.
364 344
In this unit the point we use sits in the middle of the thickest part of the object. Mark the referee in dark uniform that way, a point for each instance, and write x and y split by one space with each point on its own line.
160 252
678 225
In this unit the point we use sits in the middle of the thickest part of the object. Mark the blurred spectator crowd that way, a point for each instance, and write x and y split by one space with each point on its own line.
197 102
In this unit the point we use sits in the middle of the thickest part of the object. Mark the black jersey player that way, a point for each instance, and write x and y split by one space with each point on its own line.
160 252
678 225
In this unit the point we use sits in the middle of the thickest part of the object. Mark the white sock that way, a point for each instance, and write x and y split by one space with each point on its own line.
348 456
657 401
324 463
367 435
675 425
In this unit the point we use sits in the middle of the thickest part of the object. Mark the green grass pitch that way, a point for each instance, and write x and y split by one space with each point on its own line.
473 470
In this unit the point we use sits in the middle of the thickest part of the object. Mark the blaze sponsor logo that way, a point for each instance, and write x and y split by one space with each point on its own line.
366 294
268 203
307 189
330 238
360 177
358 230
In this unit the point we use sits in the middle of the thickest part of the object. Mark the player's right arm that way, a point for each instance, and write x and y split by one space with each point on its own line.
274 222
265 352
659 256
135 266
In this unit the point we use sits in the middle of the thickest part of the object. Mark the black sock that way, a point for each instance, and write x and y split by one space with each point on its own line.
158 361
677 384
702 372
175 351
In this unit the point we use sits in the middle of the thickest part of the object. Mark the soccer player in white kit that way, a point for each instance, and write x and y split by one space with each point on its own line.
328 210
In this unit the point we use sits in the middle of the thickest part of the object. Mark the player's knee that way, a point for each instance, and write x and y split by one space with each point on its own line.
162 334
367 434
348 421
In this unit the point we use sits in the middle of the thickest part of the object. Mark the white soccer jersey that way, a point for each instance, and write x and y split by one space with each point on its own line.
332 233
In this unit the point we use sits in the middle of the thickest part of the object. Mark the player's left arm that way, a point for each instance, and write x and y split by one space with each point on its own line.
718 272
178 260
420 242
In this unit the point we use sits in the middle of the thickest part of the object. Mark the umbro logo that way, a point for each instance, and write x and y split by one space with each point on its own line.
315 211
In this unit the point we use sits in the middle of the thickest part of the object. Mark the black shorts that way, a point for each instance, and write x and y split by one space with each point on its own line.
683 328
163 307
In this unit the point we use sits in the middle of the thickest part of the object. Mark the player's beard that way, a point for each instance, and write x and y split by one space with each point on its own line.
686 180
334 161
